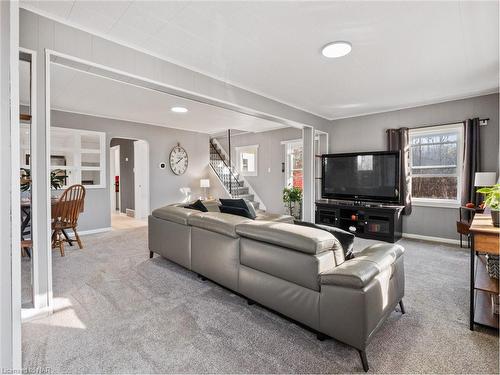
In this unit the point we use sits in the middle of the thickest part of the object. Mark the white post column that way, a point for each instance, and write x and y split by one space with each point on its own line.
322 148
10 222
308 173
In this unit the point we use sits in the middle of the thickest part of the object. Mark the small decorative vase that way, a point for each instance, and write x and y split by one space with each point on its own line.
495 217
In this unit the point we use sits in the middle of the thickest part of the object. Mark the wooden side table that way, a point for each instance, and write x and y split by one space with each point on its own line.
485 240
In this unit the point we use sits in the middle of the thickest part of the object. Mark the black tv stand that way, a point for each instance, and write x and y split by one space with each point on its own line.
366 220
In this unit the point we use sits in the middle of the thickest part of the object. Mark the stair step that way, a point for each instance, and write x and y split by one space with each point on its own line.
241 190
219 162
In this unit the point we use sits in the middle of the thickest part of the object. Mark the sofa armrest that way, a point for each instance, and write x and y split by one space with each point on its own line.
360 271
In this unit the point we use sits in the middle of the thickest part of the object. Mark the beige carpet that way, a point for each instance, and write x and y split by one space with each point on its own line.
121 312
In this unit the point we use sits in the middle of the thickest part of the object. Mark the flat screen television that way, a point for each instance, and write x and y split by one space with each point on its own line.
363 176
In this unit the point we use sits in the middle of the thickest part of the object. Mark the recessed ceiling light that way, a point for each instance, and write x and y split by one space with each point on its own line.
336 49
179 109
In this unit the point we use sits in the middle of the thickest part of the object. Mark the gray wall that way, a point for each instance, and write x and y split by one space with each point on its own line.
367 133
164 185
127 188
270 181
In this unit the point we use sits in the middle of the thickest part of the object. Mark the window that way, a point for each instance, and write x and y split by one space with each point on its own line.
78 156
436 161
294 165
247 160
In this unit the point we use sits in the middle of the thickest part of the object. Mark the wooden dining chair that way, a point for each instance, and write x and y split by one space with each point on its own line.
65 216
465 216
26 246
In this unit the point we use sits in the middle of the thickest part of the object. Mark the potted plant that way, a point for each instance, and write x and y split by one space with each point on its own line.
57 178
25 179
492 200
292 197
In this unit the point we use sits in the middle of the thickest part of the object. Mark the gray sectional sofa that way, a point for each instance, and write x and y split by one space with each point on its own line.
295 270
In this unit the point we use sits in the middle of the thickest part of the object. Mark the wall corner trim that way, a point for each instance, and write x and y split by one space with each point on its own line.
95 231
431 238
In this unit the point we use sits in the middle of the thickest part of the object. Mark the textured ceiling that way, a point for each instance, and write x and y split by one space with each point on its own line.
405 53
77 91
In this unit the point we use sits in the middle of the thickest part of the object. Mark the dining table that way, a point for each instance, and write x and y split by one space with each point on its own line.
26 219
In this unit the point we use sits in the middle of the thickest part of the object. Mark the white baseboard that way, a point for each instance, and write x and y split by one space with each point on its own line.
430 238
94 231
32 313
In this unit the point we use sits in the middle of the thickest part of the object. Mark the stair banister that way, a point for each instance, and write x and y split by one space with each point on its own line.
222 155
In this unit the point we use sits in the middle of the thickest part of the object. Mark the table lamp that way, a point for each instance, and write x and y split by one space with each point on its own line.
205 184
484 179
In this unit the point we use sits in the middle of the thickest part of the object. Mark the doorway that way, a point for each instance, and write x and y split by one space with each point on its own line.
129 182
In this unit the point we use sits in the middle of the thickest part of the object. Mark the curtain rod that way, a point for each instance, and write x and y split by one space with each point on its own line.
482 121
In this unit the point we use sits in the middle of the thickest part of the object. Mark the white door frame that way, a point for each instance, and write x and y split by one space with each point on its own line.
141 185
145 183
37 296
308 173
323 146
10 196
114 170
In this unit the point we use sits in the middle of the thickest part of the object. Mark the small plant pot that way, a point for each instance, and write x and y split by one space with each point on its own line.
495 217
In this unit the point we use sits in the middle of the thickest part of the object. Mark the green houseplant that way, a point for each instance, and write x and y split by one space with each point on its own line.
492 200
292 197
57 177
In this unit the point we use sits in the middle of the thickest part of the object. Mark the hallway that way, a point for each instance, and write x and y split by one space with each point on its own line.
122 221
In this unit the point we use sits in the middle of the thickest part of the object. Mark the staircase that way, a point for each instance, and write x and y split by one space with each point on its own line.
234 184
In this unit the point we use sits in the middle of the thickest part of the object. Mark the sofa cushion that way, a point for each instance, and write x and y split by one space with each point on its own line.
266 216
217 222
198 205
176 214
243 212
294 266
304 239
212 205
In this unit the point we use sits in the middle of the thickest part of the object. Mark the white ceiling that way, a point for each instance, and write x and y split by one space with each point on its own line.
405 53
81 92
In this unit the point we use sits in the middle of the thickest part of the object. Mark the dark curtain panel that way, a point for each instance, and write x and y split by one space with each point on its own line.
471 160
399 140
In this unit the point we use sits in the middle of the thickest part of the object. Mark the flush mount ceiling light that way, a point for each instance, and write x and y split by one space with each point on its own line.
179 109
336 49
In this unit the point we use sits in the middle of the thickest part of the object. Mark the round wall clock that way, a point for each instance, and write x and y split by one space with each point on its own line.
178 160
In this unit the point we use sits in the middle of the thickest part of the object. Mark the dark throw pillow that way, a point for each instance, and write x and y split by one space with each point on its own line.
240 203
235 211
198 205
345 238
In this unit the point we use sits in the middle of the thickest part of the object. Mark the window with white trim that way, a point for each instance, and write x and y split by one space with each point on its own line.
78 156
436 163
294 164
247 161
